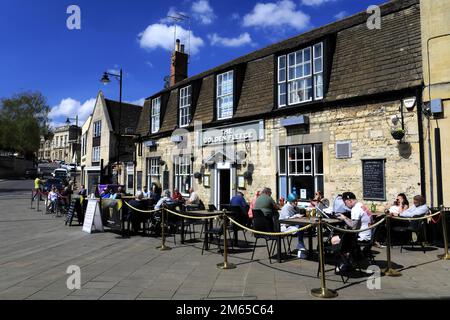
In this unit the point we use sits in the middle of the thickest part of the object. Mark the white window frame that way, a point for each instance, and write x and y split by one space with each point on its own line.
183 170
97 128
96 154
153 170
155 114
316 72
290 86
83 144
221 96
185 106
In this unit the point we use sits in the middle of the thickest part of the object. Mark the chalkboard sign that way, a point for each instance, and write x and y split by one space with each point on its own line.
111 213
374 182
71 212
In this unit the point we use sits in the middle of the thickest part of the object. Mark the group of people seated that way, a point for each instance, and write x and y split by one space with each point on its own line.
57 199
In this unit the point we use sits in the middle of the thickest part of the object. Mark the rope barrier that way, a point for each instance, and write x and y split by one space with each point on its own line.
139 210
271 233
354 231
420 218
191 217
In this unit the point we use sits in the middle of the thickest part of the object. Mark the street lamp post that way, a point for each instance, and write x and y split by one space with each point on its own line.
105 79
78 142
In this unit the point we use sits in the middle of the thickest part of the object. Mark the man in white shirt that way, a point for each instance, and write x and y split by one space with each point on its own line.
193 197
360 216
418 209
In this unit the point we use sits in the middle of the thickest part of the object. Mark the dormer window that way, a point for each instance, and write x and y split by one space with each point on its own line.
300 76
225 95
185 106
155 114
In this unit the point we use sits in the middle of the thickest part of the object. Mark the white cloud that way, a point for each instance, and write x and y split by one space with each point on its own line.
148 63
341 15
70 108
282 13
315 2
203 12
242 40
160 35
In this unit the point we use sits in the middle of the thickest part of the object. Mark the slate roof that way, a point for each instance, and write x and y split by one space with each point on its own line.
363 62
129 116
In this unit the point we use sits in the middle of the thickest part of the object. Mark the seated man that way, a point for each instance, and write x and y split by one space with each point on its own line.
166 199
266 204
238 200
418 209
106 193
360 219
290 211
134 216
193 197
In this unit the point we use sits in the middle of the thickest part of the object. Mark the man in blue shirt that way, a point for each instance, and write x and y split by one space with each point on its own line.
238 201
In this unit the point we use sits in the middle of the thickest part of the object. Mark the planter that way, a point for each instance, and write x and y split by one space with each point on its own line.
398 135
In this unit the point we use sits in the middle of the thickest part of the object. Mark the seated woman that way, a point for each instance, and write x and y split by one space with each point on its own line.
290 211
418 209
400 204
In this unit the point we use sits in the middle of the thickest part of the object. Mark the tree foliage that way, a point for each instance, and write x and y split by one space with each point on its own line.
23 119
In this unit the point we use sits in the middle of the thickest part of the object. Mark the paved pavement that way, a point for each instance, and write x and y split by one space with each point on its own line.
37 249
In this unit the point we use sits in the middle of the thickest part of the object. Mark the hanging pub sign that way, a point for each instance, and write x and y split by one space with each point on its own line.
374 179
249 131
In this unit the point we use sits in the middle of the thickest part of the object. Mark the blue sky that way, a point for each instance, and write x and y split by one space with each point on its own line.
39 52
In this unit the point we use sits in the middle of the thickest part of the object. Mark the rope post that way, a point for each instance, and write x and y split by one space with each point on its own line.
322 292
38 200
31 204
163 246
225 265
444 256
389 271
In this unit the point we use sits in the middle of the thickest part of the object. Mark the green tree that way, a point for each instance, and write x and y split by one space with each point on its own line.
23 119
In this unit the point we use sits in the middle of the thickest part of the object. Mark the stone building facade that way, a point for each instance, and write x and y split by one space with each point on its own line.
435 15
314 112
62 145
107 143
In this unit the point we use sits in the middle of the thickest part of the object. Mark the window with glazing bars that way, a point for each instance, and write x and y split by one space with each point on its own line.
300 76
155 114
225 95
185 106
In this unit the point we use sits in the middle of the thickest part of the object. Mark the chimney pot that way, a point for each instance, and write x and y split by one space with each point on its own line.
177 45
182 48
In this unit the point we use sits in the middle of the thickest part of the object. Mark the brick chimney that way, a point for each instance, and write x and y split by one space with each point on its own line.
179 64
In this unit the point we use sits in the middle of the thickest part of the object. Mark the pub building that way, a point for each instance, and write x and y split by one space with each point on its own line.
323 110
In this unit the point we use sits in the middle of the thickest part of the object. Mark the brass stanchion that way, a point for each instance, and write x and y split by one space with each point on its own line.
38 200
389 271
32 200
444 256
163 246
322 292
225 265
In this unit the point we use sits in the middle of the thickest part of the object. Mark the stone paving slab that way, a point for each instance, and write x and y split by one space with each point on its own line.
37 249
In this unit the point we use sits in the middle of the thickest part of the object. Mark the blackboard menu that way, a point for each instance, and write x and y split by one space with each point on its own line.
71 212
374 181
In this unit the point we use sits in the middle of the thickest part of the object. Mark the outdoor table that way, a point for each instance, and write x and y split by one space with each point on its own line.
304 221
208 222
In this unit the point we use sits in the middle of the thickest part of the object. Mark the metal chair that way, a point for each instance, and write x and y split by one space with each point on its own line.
414 226
265 224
